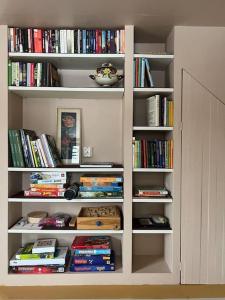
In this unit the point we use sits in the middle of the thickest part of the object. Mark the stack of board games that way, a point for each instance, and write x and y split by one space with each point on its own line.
98 186
46 184
40 257
92 254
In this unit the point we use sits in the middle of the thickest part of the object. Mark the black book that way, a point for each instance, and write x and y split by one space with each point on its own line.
75 41
25 40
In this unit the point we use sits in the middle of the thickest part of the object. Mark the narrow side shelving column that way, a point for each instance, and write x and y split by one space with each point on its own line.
127 148
4 151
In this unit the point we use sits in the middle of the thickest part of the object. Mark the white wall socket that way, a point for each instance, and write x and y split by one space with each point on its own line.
87 151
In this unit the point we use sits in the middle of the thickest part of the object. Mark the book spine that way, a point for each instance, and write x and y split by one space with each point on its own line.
101 179
90 268
19 148
9 73
29 193
101 189
47 150
92 260
38 269
92 251
13 149
30 151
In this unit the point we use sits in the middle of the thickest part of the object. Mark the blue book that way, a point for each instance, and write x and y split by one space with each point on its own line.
149 75
100 188
92 251
142 72
103 41
92 268
93 259
84 37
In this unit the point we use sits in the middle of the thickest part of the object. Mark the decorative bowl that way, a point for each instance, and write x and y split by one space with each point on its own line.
106 75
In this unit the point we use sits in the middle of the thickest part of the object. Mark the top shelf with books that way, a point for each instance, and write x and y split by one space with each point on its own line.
74 61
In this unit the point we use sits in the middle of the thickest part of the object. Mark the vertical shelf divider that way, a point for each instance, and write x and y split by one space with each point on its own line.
4 150
127 148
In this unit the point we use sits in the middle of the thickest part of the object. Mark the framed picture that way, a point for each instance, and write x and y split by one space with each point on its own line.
69 135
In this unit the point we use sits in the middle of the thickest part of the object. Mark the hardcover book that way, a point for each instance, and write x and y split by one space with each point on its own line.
91 242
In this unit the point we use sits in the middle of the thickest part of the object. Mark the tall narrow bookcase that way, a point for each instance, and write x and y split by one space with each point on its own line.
110 119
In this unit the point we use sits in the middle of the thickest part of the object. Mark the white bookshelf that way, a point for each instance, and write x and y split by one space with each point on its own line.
152 170
73 232
64 169
149 128
67 92
60 200
147 92
160 231
71 61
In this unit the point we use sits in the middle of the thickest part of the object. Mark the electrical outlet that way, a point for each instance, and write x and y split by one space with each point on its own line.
87 151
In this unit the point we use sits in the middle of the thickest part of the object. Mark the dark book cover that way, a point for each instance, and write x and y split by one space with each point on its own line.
91 242
93 259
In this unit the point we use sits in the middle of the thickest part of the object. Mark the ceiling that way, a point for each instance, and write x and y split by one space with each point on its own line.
153 19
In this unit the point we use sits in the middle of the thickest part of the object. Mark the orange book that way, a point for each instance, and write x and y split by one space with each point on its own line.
37 40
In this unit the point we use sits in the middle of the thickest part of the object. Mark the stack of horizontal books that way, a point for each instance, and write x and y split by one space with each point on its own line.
46 184
97 186
40 257
92 254
27 150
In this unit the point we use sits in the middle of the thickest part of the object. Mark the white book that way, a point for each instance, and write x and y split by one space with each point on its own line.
117 41
65 41
61 35
44 246
59 259
68 40
42 153
72 40
165 111
153 110
78 41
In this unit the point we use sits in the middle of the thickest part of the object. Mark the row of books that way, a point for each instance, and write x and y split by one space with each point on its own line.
88 254
142 73
27 150
66 41
33 74
160 111
152 154
97 186
47 184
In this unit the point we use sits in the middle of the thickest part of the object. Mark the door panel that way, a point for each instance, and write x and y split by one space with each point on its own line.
203 181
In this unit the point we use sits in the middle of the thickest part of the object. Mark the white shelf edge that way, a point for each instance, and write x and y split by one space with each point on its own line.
149 128
152 170
66 231
152 200
137 231
155 56
68 55
156 90
78 170
50 200
65 89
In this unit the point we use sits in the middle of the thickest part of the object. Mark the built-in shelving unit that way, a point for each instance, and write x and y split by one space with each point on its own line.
110 119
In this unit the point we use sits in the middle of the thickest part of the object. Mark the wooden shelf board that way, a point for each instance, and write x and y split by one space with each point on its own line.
60 200
149 128
161 231
152 200
147 92
150 264
66 92
11 230
153 170
65 169
157 61
77 61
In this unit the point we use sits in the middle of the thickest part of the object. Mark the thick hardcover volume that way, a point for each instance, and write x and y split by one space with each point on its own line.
44 246
92 259
38 269
92 242
26 253
90 268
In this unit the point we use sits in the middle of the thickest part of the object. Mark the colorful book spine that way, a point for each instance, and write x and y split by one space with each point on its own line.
92 268
92 251
92 259
38 269
100 189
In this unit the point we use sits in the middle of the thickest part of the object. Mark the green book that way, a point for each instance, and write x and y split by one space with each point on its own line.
9 73
13 149
19 150
26 253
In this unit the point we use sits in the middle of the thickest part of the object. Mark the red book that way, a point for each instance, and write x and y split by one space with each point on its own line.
96 40
100 41
37 40
32 80
91 242
38 269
